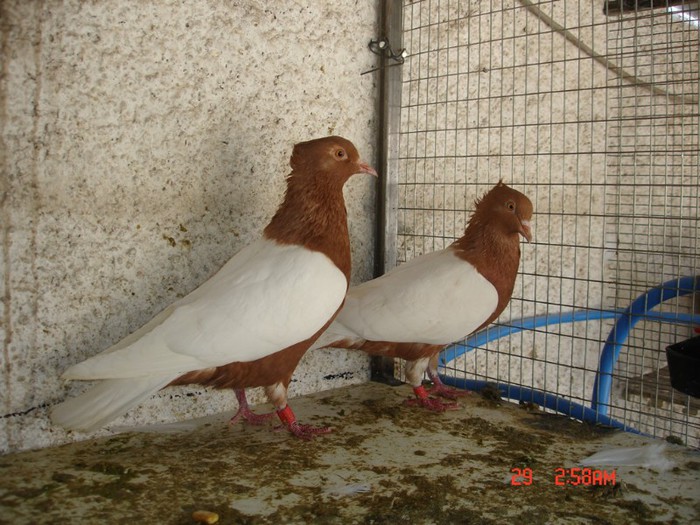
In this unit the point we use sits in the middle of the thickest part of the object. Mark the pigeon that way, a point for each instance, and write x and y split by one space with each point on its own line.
416 309
252 321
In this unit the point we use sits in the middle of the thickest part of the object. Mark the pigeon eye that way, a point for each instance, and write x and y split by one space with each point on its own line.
510 205
340 154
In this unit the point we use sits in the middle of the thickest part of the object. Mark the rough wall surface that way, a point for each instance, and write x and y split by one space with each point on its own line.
143 144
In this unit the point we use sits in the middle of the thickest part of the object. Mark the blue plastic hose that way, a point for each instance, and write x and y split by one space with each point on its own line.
635 312
494 332
559 404
639 309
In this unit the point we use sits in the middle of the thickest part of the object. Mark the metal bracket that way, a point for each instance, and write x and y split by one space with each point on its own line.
383 49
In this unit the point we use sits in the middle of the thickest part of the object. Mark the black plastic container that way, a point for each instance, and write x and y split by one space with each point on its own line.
684 366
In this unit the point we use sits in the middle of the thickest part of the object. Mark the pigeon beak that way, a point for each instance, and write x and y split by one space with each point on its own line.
525 230
366 168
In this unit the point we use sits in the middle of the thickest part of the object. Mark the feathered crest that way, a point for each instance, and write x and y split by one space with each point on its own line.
478 200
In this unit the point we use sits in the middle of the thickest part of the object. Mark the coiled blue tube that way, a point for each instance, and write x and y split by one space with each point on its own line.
635 312
558 404
639 309
518 325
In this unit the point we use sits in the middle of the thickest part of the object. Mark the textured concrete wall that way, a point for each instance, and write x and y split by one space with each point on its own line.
143 144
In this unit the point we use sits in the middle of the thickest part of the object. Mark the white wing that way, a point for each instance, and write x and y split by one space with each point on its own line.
267 297
437 298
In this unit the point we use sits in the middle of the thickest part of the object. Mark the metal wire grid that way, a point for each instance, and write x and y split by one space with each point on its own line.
654 166
491 91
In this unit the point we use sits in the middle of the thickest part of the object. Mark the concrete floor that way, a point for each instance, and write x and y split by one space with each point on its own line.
384 463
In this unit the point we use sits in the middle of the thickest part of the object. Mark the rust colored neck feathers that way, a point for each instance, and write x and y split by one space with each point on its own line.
494 254
313 215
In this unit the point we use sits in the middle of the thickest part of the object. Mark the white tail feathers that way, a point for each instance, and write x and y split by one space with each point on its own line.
106 401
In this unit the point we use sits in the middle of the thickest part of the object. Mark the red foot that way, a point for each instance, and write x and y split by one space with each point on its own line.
250 417
306 432
439 389
422 399
245 413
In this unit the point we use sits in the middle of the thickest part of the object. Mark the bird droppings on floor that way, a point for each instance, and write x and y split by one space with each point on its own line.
384 463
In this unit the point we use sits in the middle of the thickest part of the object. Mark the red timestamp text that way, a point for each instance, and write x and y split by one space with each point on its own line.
566 476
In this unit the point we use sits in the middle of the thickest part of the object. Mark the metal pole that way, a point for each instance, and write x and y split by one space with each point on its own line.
391 28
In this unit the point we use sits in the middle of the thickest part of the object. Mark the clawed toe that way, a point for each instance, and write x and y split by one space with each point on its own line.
305 432
447 392
250 417
423 399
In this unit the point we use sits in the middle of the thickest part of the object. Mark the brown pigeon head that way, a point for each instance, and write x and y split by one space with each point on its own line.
334 156
505 210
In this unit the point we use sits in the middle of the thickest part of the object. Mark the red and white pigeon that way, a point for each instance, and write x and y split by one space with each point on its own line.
416 309
250 323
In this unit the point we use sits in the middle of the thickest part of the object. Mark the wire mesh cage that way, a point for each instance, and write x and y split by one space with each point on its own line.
591 109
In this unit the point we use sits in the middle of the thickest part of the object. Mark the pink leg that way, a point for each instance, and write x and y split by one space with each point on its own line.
244 411
289 421
440 389
424 400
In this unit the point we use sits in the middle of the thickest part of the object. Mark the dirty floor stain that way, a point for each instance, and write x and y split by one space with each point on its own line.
384 463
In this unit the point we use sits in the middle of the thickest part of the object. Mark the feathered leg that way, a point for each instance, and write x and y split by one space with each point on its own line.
414 374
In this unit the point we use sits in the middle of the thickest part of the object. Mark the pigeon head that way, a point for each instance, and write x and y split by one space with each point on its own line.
329 155
313 212
505 209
